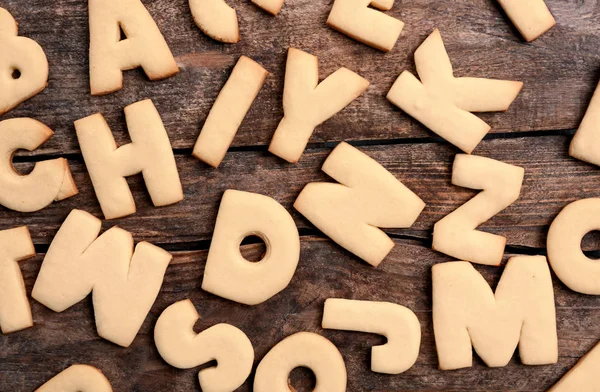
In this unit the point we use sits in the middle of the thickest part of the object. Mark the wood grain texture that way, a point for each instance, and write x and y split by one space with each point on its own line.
552 180
560 70
59 339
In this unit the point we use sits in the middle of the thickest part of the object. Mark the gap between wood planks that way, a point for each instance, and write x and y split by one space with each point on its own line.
315 146
204 245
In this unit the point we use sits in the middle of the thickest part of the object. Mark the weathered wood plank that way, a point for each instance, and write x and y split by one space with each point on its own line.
560 70
324 271
552 180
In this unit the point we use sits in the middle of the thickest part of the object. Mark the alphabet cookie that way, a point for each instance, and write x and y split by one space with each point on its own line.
48 181
181 347
144 46
23 65
308 103
228 274
15 313
77 378
456 234
398 324
271 6
219 21
367 198
583 377
467 312
216 19
148 153
532 17
124 282
444 103
585 145
303 349
229 111
367 25
577 271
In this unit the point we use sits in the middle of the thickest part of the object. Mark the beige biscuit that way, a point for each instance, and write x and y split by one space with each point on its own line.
181 347
467 312
531 17
577 271
456 234
583 377
227 273
148 153
303 349
229 111
585 145
367 25
216 19
124 284
77 378
271 6
443 102
144 46
368 197
49 180
8 25
15 313
22 58
398 324
308 103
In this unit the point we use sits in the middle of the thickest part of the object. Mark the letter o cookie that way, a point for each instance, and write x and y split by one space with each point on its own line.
570 264
303 349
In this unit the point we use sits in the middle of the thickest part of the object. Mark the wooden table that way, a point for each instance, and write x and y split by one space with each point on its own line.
560 72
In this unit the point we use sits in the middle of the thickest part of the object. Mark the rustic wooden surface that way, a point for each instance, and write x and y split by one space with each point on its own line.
325 271
560 71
